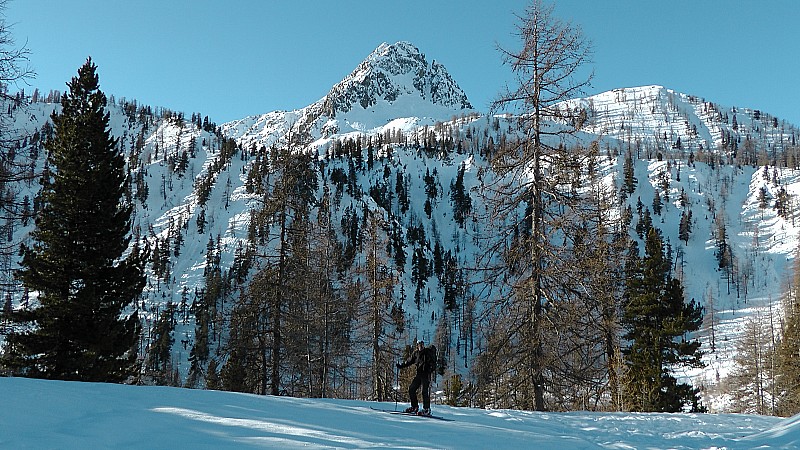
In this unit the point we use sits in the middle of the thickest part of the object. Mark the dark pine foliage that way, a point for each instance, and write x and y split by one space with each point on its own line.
656 320
79 330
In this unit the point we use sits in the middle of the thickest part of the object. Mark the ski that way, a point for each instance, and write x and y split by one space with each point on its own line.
403 413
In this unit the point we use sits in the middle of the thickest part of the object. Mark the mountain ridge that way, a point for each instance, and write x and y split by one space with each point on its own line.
649 121
656 116
394 77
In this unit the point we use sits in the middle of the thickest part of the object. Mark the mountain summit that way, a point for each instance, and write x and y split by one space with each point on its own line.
392 74
394 81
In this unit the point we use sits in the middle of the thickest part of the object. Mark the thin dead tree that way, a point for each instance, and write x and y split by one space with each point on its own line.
14 69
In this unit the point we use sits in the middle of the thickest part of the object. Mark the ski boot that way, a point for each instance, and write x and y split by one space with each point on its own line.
411 410
424 412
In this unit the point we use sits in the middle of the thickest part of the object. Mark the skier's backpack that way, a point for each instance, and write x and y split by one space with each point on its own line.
431 360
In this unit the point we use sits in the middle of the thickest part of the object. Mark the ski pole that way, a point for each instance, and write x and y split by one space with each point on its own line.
396 385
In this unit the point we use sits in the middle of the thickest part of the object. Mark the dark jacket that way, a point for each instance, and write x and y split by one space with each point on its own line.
421 360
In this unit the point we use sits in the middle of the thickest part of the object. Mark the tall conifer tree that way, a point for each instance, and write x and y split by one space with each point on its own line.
787 371
79 330
656 320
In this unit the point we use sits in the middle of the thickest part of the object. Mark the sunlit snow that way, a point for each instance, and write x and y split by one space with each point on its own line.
54 414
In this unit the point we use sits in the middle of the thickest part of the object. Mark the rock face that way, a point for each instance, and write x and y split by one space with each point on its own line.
390 73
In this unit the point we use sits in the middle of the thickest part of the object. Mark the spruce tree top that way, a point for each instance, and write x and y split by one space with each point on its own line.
89 170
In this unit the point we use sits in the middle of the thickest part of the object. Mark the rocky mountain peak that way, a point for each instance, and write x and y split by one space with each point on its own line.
391 73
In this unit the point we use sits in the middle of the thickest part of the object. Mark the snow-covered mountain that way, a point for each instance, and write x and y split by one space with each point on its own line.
396 75
710 159
660 119
394 81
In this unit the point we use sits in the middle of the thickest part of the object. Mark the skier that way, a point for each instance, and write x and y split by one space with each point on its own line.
425 361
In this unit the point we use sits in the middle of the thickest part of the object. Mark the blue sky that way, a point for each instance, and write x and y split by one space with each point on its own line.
230 59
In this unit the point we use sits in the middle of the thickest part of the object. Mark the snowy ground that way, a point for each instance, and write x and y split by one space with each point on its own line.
51 414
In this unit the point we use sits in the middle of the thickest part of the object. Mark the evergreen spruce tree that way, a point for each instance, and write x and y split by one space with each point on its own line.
788 349
462 203
629 183
788 370
159 361
80 329
656 320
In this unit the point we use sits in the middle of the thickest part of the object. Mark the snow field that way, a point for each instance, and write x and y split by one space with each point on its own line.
56 414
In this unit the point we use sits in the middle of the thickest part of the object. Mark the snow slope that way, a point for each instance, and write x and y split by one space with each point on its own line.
655 117
41 414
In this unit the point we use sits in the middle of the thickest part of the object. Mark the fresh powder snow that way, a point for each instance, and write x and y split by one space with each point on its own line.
56 414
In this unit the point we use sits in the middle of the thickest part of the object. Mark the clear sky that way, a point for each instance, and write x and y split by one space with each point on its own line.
234 58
